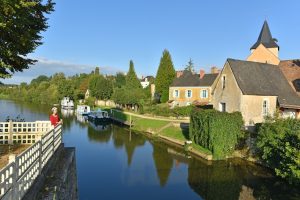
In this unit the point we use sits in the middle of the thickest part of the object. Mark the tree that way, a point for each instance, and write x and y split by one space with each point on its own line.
190 66
279 146
100 87
21 23
97 71
40 79
120 80
132 80
165 76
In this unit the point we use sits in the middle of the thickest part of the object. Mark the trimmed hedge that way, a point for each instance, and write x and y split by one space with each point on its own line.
217 131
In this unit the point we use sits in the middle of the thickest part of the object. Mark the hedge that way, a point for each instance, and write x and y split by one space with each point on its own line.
217 131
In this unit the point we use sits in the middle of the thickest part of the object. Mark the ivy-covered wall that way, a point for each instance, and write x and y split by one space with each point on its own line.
217 131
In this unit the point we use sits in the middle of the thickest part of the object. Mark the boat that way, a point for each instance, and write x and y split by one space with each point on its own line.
83 110
67 112
98 115
67 103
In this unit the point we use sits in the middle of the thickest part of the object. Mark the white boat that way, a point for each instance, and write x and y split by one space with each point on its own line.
98 115
67 112
67 103
83 110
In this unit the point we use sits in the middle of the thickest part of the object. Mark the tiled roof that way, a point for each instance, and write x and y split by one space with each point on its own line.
291 70
188 79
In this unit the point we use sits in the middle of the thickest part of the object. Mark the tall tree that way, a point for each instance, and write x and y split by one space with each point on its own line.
190 66
100 87
132 80
120 80
21 23
97 70
165 76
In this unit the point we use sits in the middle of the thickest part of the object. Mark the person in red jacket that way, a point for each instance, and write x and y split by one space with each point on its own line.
54 118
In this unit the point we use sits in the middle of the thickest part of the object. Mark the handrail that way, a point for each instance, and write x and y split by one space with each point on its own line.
17 177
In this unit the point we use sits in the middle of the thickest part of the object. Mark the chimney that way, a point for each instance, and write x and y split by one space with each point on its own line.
214 70
202 73
179 73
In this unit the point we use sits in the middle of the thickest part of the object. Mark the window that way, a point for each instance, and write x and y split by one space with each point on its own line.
223 81
204 94
188 93
265 107
223 107
176 93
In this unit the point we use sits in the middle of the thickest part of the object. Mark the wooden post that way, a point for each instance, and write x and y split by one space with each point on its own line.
15 187
10 131
130 121
41 156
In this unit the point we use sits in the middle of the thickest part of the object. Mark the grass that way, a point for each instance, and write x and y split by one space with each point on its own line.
176 133
4 96
201 149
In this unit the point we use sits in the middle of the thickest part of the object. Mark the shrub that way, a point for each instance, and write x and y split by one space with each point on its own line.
278 143
217 131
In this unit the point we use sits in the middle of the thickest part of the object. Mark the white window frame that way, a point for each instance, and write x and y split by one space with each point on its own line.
174 93
265 107
206 94
187 92
221 107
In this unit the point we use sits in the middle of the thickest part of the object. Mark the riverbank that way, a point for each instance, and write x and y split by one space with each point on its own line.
172 131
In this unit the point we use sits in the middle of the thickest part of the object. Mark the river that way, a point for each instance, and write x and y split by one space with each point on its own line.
114 163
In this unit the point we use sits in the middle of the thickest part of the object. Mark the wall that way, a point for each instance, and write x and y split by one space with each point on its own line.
108 103
264 55
252 108
231 94
182 100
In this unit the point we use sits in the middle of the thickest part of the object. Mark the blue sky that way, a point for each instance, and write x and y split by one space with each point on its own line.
85 34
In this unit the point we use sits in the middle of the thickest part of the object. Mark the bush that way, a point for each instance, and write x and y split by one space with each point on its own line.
217 131
278 143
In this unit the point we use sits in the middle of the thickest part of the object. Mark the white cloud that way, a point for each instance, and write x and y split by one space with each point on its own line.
49 67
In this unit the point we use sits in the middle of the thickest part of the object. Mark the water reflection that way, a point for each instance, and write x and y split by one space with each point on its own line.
114 163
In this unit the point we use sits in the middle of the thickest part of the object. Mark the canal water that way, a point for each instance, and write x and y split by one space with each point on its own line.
114 163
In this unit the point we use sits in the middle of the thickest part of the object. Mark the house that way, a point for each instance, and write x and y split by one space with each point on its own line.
258 87
145 81
190 88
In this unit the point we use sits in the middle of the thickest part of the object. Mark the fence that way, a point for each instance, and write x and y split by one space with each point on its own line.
17 177
23 132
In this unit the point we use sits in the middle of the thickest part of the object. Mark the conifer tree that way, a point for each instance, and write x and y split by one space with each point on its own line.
132 80
190 66
165 76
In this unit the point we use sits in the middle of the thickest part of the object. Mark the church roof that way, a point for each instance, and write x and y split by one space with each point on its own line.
265 38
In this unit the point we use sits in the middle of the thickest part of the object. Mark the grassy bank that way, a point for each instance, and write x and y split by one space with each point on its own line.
172 132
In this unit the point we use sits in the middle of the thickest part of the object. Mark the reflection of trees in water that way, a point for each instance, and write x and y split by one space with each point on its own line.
124 138
163 162
236 180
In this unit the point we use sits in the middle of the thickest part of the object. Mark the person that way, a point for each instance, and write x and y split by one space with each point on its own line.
54 118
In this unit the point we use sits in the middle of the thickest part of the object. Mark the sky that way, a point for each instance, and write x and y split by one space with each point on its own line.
84 34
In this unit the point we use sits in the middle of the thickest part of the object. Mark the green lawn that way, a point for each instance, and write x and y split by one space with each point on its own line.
176 133
201 149
141 124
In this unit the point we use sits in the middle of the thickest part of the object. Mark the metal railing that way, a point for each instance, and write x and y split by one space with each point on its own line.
17 177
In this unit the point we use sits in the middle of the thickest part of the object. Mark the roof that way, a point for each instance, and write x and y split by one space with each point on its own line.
254 78
265 38
188 79
291 70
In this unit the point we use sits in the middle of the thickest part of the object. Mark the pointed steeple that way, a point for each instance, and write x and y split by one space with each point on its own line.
265 38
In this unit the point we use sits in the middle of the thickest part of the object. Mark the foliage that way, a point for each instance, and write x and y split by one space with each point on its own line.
21 23
40 79
127 96
190 66
100 87
132 80
164 77
279 146
120 80
97 71
217 131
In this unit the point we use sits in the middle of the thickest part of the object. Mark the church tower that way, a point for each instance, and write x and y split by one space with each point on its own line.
265 49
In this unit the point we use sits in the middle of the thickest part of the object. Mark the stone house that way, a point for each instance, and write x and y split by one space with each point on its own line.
259 86
190 88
